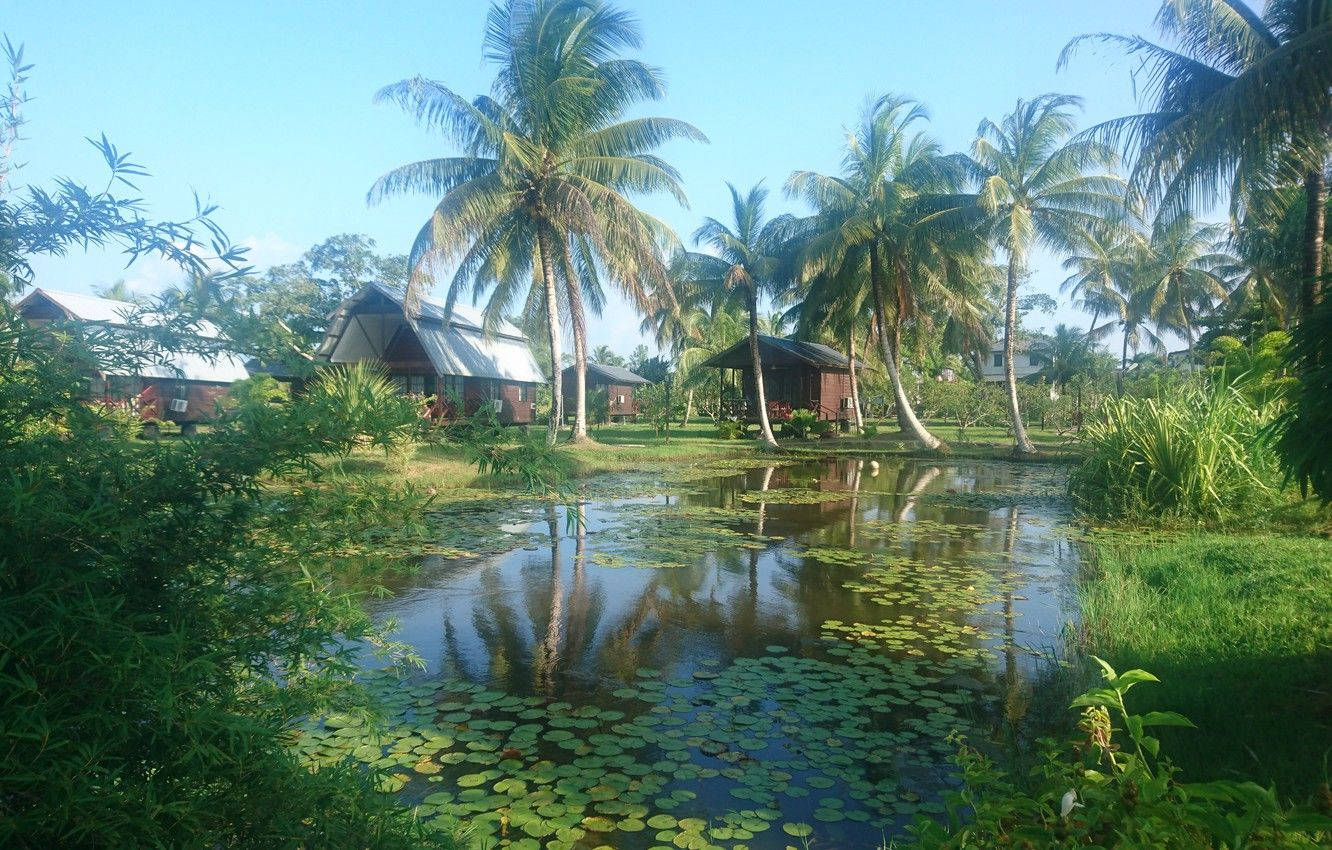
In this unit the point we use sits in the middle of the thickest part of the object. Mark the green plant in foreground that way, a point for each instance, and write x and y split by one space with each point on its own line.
1197 455
1111 787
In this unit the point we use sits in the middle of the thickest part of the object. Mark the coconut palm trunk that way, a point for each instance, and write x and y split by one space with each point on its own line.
1021 442
579 324
553 326
689 408
1315 221
910 424
1123 364
761 397
855 382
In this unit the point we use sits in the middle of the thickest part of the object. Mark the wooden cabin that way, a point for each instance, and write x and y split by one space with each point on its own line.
172 386
445 354
796 374
619 383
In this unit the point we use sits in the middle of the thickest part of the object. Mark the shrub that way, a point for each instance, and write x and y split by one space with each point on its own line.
1112 788
869 431
1197 455
363 399
155 646
730 429
964 403
802 423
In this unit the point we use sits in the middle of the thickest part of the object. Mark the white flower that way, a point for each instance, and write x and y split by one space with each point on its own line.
1068 803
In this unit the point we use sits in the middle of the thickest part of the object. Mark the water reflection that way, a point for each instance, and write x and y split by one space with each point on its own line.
686 580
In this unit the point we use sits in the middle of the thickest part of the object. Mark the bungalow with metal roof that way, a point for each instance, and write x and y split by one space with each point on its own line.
177 386
796 374
619 383
446 354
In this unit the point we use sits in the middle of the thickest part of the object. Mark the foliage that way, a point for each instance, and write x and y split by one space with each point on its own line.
1306 451
966 404
186 644
658 404
1238 628
802 422
1259 372
1034 189
281 315
506 452
1195 455
258 390
730 429
536 208
363 396
869 431
1112 787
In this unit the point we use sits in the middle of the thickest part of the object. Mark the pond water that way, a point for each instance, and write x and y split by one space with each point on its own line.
719 657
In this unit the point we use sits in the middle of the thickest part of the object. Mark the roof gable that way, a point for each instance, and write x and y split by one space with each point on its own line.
779 350
610 374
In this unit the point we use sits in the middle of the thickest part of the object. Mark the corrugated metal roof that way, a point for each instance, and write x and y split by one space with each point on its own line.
461 351
813 353
221 368
432 309
108 311
455 347
610 374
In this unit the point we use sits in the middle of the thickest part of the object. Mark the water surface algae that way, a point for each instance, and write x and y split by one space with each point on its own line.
835 742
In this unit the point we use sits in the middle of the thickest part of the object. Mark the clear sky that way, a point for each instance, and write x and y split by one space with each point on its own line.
265 107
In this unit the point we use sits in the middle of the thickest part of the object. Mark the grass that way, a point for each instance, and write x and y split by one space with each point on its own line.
638 447
1239 630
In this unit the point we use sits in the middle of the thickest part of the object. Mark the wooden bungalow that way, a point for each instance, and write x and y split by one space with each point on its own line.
445 354
619 383
172 386
796 374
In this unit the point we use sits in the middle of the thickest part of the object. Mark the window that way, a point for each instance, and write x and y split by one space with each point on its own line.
619 399
452 387
998 360
522 392
416 384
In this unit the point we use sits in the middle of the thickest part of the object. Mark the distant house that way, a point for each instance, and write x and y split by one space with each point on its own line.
176 386
619 383
1026 362
448 356
796 374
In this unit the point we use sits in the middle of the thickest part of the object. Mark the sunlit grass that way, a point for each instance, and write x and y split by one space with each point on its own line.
1239 630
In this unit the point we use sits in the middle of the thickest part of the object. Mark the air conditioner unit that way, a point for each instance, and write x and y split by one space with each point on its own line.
534 405
180 405
498 404
846 404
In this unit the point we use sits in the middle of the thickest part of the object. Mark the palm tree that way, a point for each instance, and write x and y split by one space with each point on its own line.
1131 299
743 267
1034 189
833 306
604 355
537 198
1191 270
883 225
1242 104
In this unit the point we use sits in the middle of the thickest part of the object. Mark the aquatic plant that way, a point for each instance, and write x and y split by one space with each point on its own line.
1112 787
1197 455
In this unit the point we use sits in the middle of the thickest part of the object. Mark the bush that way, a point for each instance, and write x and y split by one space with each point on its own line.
964 403
1198 456
869 431
156 646
730 429
1112 788
802 423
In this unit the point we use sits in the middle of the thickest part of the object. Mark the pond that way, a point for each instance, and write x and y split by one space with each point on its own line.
720 656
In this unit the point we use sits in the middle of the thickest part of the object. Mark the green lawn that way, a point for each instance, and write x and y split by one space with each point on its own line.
1239 630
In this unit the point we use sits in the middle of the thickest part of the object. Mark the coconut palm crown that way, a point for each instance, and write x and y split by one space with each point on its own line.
1034 189
538 196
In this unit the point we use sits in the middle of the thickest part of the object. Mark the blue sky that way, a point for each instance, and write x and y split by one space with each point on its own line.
266 107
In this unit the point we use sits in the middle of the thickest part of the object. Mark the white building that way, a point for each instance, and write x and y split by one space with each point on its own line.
1025 362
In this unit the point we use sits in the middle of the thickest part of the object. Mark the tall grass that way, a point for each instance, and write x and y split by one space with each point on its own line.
1195 456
